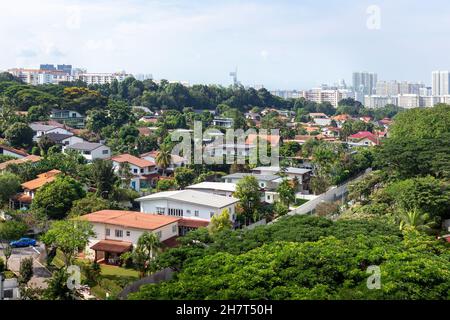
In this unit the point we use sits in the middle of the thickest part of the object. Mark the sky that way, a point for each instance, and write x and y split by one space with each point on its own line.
279 44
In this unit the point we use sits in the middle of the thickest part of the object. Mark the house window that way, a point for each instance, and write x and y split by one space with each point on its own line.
174 228
105 151
135 170
268 197
176 212
196 213
128 233
188 211
119 233
108 232
142 170
211 214
160 210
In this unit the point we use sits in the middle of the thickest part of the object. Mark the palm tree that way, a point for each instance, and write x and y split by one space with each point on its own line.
148 244
414 219
125 173
163 159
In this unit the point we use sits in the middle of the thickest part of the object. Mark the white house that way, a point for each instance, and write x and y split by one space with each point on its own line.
63 139
219 188
142 170
302 174
176 160
90 151
223 122
118 231
42 129
9 151
230 149
189 204
320 119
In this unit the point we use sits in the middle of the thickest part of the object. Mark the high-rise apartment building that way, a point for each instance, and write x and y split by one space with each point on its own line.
440 83
364 82
320 95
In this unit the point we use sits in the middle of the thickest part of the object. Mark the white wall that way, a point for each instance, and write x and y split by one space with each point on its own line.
204 212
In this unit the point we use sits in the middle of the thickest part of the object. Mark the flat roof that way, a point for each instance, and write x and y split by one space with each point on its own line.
192 196
261 177
288 170
222 186
132 219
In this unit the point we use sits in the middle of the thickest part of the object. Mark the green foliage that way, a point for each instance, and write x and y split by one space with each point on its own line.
9 186
55 199
69 236
12 230
102 176
221 222
249 194
286 192
26 270
166 185
90 203
184 177
19 135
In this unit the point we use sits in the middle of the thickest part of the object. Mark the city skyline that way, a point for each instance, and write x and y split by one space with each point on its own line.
282 46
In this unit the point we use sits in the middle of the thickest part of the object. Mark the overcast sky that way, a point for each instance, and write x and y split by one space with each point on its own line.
280 44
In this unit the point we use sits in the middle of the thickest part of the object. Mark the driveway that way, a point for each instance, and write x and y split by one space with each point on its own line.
40 273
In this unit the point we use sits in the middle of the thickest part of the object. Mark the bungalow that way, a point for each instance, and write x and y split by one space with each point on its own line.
176 160
23 200
63 139
90 151
188 204
43 129
218 188
143 171
30 158
117 232
363 138
9 151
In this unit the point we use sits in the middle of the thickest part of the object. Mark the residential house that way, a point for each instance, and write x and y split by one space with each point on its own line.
188 204
63 139
363 138
9 289
143 172
320 119
229 149
301 174
267 182
42 129
176 160
117 232
9 151
223 122
23 200
90 150
218 188
69 117
30 158
271 139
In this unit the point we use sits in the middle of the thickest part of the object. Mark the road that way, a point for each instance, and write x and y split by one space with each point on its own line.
40 273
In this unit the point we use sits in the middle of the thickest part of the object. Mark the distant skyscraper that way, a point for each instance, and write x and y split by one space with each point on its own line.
67 68
48 67
364 82
441 83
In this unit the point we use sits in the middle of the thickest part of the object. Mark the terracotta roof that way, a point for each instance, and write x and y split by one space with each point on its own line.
41 180
130 219
141 163
364 135
273 139
112 246
193 223
341 117
13 150
22 197
171 242
30 158
144 131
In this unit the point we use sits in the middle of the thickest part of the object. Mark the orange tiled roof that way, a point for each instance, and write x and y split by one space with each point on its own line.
13 150
31 158
272 139
141 163
41 180
130 219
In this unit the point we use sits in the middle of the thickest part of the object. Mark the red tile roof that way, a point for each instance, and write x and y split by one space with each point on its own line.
13 150
364 135
193 223
130 219
112 246
30 158
272 139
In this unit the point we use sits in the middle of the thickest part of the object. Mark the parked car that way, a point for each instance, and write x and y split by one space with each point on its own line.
23 242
